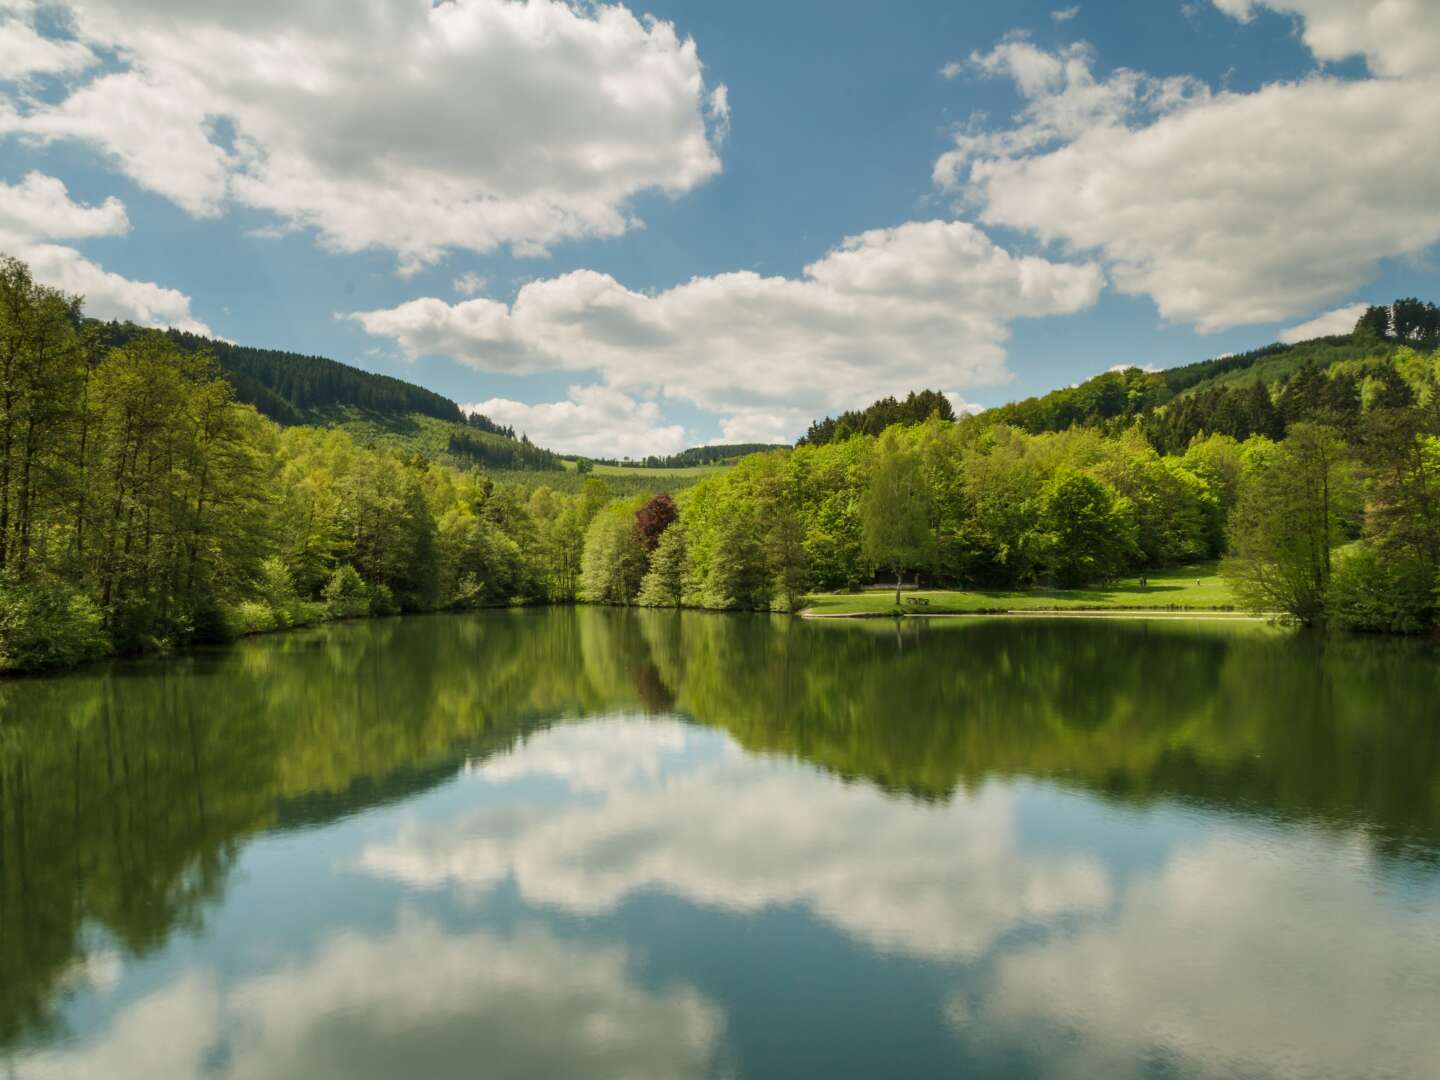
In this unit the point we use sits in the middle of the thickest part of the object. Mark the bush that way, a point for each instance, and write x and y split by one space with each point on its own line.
277 589
382 601
45 623
1373 591
346 594
253 617
210 623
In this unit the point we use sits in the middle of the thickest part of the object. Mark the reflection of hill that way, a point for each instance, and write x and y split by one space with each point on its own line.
125 796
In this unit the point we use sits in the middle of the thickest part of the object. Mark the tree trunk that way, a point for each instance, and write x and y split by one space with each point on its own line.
898 582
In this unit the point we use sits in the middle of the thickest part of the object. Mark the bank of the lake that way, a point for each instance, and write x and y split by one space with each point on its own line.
1198 588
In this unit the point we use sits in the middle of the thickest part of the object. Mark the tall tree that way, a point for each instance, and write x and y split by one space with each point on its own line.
1288 521
893 513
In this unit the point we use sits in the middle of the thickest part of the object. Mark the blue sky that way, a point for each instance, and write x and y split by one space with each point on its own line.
991 199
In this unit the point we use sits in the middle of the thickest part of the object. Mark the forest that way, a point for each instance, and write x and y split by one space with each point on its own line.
144 506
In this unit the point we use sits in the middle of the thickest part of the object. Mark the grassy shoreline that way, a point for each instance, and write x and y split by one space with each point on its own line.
1186 590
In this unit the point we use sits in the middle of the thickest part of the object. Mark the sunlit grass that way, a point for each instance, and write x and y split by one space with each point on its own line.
1192 588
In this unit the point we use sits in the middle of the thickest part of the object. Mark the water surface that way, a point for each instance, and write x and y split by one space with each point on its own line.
636 844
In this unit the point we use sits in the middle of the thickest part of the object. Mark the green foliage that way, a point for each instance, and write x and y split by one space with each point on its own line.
1088 534
664 584
291 388
1288 521
346 595
614 559
1371 592
45 623
894 513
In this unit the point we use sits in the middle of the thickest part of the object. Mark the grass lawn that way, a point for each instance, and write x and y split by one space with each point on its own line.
1175 588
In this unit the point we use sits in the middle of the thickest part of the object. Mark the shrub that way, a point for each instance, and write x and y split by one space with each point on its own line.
253 617
346 594
45 623
382 601
1374 591
277 589
210 623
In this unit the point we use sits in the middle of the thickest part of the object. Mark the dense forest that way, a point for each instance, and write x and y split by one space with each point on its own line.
510 453
291 388
875 418
143 506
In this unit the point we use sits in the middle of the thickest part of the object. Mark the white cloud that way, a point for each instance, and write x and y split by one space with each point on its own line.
760 427
409 126
1225 208
25 52
746 834
527 1004
603 754
596 421
39 210
953 70
1340 321
1398 38
1206 966
922 304
470 283
1061 15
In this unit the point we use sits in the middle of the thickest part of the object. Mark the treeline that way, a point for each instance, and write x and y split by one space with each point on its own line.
480 422
1113 400
291 388
494 454
142 506
1332 517
695 456
874 419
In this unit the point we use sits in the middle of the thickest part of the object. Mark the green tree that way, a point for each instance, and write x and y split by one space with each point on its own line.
1293 505
1089 534
664 583
893 513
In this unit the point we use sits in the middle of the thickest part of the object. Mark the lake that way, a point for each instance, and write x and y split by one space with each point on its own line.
611 843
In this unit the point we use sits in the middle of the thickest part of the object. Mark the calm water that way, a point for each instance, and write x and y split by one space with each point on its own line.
588 843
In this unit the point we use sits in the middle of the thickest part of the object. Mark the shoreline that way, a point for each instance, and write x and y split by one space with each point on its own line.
1211 615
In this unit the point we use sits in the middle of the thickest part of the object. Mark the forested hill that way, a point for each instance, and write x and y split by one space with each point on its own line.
1221 394
292 388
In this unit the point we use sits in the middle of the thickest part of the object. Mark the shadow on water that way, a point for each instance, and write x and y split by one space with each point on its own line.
127 794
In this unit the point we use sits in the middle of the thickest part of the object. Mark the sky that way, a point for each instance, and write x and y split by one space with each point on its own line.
628 230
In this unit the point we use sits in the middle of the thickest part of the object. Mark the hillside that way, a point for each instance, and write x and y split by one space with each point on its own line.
293 388
1247 393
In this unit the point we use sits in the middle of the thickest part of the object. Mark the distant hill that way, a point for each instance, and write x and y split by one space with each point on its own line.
695 457
292 388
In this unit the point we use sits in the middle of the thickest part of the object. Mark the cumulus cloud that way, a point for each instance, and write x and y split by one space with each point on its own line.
1340 321
923 304
596 421
1061 15
1398 38
409 126
1203 965
25 52
39 210
371 1006
744 834
1225 208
